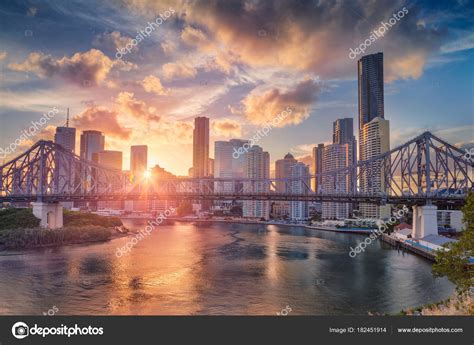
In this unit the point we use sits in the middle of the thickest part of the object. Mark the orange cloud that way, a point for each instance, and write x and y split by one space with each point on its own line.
178 70
153 84
101 119
168 46
127 104
194 37
308 160
261 108
304 37
226 128
112 41
85 69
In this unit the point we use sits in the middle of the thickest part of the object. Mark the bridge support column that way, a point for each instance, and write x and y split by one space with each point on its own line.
425 221
51 214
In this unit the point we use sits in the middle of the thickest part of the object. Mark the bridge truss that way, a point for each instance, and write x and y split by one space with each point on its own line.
424 170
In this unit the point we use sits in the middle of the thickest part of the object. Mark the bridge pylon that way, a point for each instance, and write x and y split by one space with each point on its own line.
425 221
50 214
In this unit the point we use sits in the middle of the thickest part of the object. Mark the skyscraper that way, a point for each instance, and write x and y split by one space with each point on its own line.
113 160
210 167
223 165
374 139
300 173
109 159
282 171
343 133
91 142
371 94
374 135
335 156
201 147
257 165
317 165
66 137
138 160
229 165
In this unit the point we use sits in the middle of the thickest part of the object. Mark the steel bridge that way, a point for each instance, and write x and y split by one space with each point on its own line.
424 168
423 171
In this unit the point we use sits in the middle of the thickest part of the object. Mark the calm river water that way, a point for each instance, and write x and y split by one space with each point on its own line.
217 268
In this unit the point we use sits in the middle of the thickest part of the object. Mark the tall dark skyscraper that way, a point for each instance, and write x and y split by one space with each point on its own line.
370 76
374 134
201 147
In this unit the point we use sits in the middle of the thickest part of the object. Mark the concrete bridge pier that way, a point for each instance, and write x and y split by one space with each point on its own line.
51 214
425 221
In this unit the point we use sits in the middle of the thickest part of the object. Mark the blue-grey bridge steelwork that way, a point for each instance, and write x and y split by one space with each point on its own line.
423 171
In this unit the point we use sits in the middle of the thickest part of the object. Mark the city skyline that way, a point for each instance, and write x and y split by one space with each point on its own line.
152 94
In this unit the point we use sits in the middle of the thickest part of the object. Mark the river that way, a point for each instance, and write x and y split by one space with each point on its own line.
218 269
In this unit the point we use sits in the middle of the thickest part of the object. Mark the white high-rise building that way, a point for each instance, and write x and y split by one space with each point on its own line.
335 156
374 139
299 209
223 165
227 163
257 165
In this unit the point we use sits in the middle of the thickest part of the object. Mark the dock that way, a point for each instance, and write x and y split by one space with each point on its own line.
427 254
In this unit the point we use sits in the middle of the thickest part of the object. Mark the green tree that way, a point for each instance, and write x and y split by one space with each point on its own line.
454 263
15 218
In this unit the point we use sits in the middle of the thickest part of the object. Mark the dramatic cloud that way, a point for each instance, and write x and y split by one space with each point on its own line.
260 108
308 160
111 41
101 119
195 37
85 69
138 109
153 84
178 70
226 128
168 46
307 36
3 55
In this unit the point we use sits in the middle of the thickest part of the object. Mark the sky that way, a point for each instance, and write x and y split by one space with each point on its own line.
140 71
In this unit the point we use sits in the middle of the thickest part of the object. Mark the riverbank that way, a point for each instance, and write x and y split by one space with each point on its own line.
456 305
41 238
19 229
